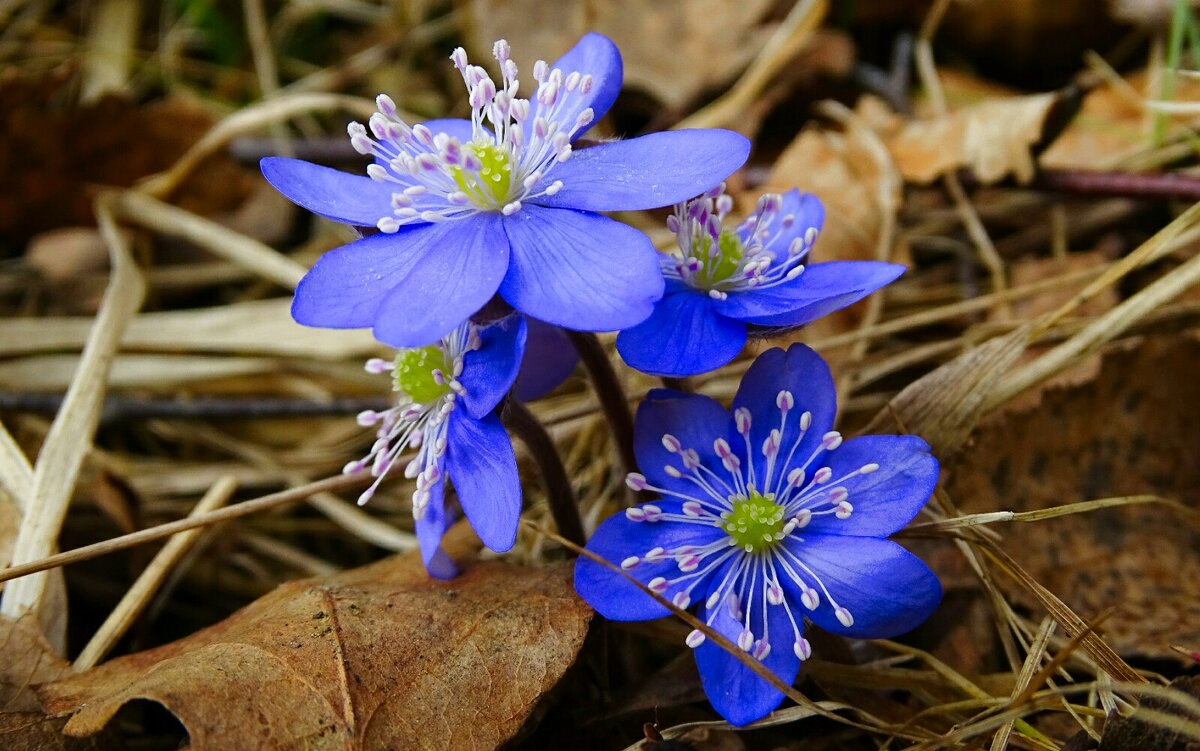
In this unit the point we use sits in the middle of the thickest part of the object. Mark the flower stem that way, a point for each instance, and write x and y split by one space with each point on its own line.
609 392
563 506
678 384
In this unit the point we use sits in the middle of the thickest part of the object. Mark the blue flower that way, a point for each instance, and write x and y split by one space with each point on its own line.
499 203
722 281
550 358
445 409
767 517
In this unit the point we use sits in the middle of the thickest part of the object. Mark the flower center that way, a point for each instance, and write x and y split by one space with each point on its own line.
755 522
419 373
487 187
721 264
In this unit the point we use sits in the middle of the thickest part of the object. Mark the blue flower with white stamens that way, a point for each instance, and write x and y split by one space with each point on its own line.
445 412
722 281
502 202
766 517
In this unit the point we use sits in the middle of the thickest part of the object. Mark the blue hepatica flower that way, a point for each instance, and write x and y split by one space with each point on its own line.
445 410
722 281
499 203
767 517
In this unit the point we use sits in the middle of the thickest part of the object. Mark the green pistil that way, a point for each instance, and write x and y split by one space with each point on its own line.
755 523
412 373
725 265
490 186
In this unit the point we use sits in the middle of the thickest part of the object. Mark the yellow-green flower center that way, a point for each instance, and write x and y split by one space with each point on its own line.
755 523
489 186
728 257
412 373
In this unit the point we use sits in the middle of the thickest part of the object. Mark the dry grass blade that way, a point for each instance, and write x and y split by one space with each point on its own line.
785 716
16 474
246 252
802 20
1072 624
138 596
70 435
945 405
1082 507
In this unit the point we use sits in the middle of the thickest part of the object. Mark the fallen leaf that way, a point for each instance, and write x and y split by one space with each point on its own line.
28 660
1133 430
667 48
992 138
1136 733
381 657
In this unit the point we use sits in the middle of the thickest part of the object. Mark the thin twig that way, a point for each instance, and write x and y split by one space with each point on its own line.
87 552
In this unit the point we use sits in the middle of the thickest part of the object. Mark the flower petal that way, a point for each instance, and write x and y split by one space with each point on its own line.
595 55
455 127
456 268
886 499
580 270
549 359
802 372
483 470
619 538
887 589
347 285
734 690
694 419
430 529
807 212
821 289
333 194
647 172
682 337
488 372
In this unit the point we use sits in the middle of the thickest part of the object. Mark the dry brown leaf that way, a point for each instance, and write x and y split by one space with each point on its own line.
381 657
1133 430
673 72
991 138
842 170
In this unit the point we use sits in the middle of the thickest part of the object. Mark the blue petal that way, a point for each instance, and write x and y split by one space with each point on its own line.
456 268
455 127
802 372
807 212
549 360
596 55
682 337
888 498
694 419
618 538
347 285
740 696
483 470
659 169
488 372
430 529
333 194
580 270
887 589
821 289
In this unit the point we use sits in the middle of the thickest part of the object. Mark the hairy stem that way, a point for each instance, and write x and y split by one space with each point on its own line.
563 506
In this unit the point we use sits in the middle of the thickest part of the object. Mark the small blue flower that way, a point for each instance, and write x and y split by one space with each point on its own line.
445 409
499 203
767 517
549 359
722 281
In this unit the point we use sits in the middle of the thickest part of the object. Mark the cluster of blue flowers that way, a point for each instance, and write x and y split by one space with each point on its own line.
481 241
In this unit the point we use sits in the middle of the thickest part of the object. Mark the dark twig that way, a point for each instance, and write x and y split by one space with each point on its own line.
1162 186
563 505
609 392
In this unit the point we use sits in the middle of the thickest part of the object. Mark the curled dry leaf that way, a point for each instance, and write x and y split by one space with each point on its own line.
1133 430
673 72
992 138
381 657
